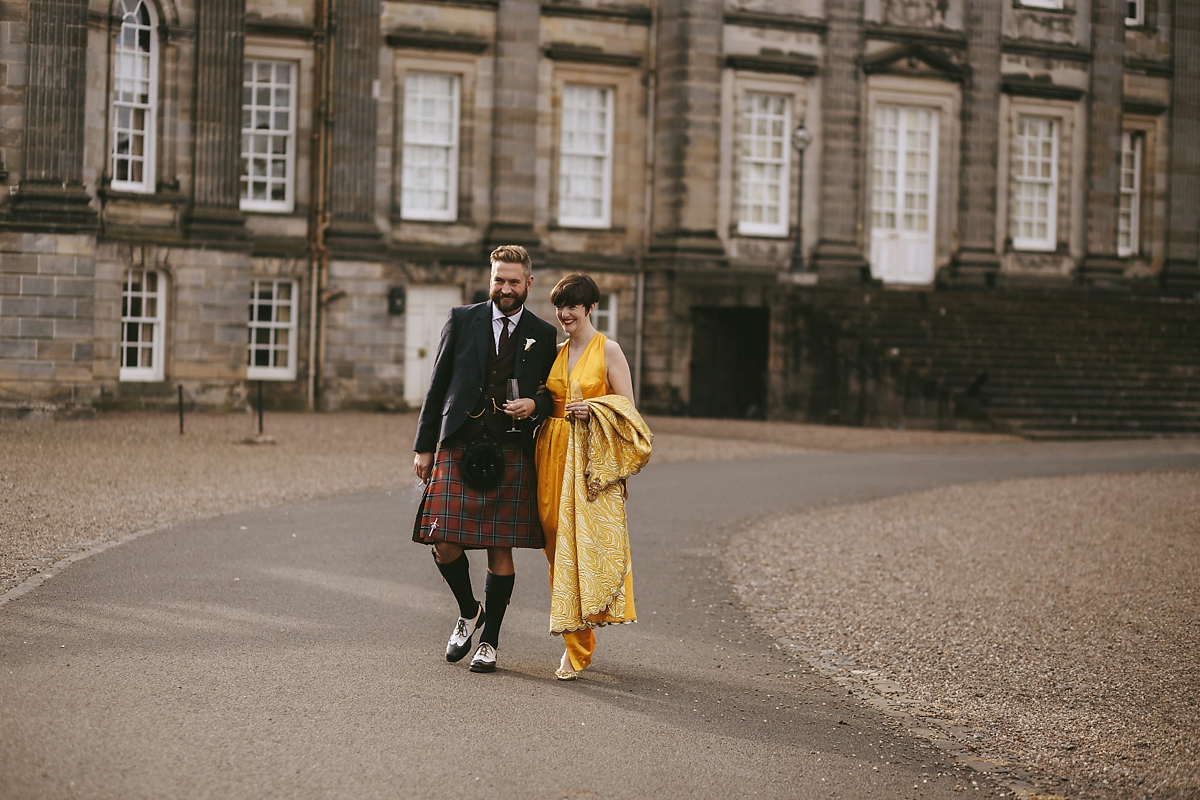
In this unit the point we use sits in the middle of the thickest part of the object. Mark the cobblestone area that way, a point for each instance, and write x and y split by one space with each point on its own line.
1050 625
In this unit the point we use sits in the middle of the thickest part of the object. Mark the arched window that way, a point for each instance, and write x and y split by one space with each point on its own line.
135 98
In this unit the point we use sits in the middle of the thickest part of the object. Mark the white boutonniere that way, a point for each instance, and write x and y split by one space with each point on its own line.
529 344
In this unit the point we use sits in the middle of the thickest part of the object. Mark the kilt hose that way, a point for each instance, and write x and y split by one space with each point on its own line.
505 516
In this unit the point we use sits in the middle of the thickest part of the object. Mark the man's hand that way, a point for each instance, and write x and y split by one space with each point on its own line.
521 408
423 466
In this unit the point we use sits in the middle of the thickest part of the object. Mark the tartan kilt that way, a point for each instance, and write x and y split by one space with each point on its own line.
505 516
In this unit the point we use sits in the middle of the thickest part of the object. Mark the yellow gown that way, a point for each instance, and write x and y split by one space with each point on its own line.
591 370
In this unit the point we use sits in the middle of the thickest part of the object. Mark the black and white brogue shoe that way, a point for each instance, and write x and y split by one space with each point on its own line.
485 658
460 640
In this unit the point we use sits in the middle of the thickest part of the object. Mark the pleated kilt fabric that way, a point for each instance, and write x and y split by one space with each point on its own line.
506 516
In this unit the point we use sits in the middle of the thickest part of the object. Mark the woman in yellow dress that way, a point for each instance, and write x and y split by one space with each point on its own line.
593 441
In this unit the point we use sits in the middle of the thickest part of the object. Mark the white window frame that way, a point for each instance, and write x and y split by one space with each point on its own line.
1033 243
1132 146
1139 13
156 323
250 132
746 162
272 372
413 141
604 317
603 156
127 11
1055 4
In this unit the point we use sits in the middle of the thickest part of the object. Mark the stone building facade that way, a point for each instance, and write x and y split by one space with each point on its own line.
212 193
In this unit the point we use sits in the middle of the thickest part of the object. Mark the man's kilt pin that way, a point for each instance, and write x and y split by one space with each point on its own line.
505 516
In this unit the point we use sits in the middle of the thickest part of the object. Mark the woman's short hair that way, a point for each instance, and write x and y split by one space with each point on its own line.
576 289
513 254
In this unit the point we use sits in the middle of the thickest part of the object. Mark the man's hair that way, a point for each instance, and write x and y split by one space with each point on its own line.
577 289
513 254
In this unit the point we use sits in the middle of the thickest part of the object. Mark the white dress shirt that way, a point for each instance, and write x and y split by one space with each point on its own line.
498 326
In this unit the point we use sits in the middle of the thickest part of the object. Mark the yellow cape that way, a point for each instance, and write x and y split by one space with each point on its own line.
591 561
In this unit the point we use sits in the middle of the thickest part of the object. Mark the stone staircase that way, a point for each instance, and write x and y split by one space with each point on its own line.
1041 364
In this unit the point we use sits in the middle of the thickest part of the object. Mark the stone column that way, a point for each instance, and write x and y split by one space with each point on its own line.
687 128
1101 264
515 123
838 256
220 65
51 191
356 43
1181 272
977 261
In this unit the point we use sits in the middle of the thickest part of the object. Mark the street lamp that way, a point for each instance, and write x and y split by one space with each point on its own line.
801 139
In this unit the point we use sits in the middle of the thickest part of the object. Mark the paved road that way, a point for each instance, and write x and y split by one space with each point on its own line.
297 652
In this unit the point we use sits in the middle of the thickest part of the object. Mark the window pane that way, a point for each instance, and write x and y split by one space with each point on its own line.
764 151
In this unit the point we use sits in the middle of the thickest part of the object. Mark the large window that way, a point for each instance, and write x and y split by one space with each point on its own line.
763 164
143 313
585 157
135 90
268 135
1129 214
604 317
1135 12
1035 173
429 183
272 352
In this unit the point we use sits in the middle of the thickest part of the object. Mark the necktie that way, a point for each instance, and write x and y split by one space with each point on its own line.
503 334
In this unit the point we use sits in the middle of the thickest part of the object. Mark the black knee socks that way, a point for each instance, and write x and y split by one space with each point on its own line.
497 589
458 576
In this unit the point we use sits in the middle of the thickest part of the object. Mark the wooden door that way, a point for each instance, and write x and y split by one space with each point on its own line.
426 310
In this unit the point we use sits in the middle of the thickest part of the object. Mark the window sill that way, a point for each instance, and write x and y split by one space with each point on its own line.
577 228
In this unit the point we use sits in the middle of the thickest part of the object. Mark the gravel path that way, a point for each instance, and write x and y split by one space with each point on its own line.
66 486
1050 624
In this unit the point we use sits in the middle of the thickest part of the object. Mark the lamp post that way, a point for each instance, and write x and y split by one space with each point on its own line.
801 139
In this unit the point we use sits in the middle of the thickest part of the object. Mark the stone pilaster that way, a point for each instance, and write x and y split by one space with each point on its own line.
220 64
515 123
687 128
1181 272
52 192
356 43
838 255
977 261
1101 264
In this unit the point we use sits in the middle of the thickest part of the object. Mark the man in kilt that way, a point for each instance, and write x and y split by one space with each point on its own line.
472 500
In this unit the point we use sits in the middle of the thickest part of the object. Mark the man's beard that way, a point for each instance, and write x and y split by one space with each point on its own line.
508 303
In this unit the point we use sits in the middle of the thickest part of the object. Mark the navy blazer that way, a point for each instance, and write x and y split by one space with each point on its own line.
460 372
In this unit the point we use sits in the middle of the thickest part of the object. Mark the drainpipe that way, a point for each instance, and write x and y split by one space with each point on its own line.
648 210
318 215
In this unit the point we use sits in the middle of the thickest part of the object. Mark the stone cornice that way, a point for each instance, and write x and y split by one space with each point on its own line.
1025 86
437 40
955 40
758 19
1062 52
633 15
1159 69
1148 107
559 51
778 64
257 25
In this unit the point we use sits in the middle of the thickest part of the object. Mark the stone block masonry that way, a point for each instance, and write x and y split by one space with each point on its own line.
46 320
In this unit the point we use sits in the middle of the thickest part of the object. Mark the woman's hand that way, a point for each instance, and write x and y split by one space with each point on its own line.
578 410
521 408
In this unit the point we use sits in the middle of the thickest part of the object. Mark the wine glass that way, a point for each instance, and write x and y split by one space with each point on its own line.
514 393
574 394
